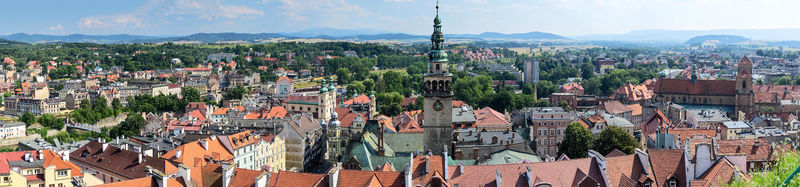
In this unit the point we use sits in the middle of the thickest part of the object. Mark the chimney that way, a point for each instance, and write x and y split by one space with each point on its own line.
227 173
184 172
159 177
499 178
178 154
461 168
333 175
262 179
41 156
105 146
28 157
425 169
446 171
409 171
140 158
529 175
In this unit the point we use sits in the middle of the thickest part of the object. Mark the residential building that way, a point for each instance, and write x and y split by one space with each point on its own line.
531 71
573 88
38 168
705 118
570 98
605 65
270 153
305 143
284 87
242 145
487 119
736 130
112 164
12 130
547 125
18 106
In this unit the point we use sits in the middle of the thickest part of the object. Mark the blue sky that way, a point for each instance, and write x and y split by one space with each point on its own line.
565 17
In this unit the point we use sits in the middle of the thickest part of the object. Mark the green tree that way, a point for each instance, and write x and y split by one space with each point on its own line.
237 93
343 76
614 137
544 88
191 94
355 88
27 118
50 121
577 141
587 70
389 103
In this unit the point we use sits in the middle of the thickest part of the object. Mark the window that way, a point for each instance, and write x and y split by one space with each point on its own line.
62 173
552 141
5 179
558 132
552 132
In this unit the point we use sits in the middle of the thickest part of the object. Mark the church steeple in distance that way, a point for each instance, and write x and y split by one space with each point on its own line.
438 94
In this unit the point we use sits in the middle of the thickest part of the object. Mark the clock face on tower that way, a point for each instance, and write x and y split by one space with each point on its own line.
437 106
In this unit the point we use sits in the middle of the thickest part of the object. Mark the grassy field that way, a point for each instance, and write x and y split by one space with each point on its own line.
307 84
401 70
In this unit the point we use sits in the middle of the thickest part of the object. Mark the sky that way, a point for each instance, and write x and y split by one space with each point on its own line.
563 17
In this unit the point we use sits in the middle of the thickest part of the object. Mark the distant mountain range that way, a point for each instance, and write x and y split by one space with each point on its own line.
680 36
715 39
773 37
319 33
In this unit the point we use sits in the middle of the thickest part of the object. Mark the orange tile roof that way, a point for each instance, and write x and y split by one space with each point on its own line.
240 139
613 107
722 172
286 178
489 117
252 115
193 154
456 103
276 112
632 92
666 163
361 178
144 181
629 166
221 111
197 114
284 78
571 86
636 109
360 99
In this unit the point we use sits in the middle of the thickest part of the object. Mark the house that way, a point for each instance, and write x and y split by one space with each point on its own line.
305 142
487 119
736 130
37 168
573 88
112 164
631 94
575 172
284 87
270 153
12 130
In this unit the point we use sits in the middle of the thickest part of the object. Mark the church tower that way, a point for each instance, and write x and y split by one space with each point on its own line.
438 119
744 86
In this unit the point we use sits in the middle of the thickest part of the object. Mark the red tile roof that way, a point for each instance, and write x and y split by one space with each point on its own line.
570 87
558 173
276 112
360 99
702 87
668 163
361 178
284 78
614 107
720 174
627 167
489 117
286 178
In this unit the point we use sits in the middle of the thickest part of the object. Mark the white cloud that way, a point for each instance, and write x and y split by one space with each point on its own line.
297 10
203 9
212 9
56 27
